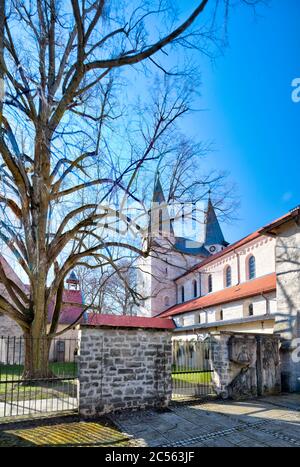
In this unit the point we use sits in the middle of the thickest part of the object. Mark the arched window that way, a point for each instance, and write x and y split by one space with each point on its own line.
160 221
251 267
166 301
195 288
182 293
250 309
210 283
228 277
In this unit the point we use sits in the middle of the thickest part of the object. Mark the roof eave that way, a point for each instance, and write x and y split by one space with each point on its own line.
249 319
272 228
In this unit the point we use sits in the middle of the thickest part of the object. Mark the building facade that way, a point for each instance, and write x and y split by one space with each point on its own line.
252 285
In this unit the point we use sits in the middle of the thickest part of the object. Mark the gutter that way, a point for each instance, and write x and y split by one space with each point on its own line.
226 323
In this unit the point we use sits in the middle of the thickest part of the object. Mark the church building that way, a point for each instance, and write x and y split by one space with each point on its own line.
216 286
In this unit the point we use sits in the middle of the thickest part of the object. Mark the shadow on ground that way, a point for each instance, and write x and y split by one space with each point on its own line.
272 421
263 422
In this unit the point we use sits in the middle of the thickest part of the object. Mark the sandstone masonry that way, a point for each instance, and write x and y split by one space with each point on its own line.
245 365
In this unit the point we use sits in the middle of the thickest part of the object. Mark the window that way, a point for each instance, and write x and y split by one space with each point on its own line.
250 309
219 315
228 277
181 321
160 222
195 288
210 284
182 293
251 267
166 301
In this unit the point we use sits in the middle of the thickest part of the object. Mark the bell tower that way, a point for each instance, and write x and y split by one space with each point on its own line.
73 282
213 240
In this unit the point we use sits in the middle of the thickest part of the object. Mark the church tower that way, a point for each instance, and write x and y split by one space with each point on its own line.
213 239
171 255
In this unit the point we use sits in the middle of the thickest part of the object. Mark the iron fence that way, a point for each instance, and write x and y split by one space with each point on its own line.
23 394
191 369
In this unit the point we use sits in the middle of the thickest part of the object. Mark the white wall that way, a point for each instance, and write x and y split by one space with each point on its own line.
156 278
262 248
233 310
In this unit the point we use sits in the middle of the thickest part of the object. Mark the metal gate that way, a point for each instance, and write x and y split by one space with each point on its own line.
23 397
191 369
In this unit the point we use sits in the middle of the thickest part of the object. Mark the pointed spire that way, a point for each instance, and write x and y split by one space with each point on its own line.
158 194
159 211
213 232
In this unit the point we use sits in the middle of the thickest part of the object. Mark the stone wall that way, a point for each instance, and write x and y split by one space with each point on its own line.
287 323
245 365
123 368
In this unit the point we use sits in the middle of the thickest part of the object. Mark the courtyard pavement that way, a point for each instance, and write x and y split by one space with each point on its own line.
271 421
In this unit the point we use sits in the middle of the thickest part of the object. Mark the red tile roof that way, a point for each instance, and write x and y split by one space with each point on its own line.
71 308
294 213
128 321
246 289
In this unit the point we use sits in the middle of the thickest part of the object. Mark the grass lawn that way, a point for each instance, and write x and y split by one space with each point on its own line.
67 369
203 377
12 391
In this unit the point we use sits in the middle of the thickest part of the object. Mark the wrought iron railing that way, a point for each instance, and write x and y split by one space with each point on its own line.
191 369
26 393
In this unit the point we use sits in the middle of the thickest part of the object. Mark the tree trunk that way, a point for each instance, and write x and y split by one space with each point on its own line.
36 364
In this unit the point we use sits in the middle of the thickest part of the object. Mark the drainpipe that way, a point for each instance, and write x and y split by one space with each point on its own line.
238 267
200 284
267 303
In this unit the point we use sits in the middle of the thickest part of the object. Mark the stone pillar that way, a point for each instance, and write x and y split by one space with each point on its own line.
245 365
287 322
220 363
267 365
123 368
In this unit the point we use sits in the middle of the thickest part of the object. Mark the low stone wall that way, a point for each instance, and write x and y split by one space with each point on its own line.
123 368
245 365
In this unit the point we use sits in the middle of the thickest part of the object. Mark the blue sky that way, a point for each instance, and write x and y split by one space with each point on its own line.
249 113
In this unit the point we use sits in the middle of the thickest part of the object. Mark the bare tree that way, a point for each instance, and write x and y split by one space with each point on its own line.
59 65
110 291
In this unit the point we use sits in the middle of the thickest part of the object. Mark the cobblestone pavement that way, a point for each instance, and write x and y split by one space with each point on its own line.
273 421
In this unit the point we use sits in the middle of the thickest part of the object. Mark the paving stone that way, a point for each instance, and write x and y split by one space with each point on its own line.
258 423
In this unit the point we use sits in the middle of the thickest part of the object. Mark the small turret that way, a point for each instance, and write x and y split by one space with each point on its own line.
73 282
